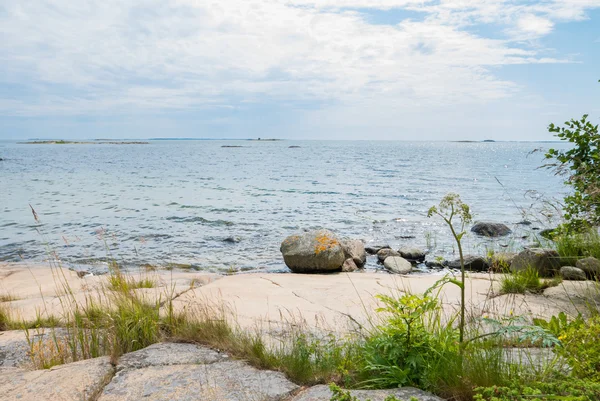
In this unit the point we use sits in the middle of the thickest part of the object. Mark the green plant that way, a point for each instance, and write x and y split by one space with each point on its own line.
450 207
339 394
573 246
400 351
527 280
558 325
581 162
562 388
581 348
520 282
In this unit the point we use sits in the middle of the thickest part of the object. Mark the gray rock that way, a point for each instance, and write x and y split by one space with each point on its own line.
572 273
322 393
412 254
313 252
14 348
472 263
545 261
349 266
434 264
489 229
501 261
382 254
397 264
234 381
591 267
232 239
355 249
76 381
373 249
163 354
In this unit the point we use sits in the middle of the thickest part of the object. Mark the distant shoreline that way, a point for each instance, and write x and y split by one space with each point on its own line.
62 142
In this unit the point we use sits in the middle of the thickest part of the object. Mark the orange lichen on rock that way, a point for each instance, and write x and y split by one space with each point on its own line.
324 243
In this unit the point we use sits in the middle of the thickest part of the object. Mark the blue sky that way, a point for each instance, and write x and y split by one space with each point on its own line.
298 69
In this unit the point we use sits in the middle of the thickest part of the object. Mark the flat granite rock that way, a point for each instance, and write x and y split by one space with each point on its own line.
322 393
164 354
234 381
14 348
79 381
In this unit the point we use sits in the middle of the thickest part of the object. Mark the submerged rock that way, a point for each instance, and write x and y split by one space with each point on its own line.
397 264
545 261
232 239
489 229
373 249
313 252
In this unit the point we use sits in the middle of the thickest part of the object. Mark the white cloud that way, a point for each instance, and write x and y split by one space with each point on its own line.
94 57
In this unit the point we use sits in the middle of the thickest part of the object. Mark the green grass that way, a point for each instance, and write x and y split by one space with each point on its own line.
526 281
576 246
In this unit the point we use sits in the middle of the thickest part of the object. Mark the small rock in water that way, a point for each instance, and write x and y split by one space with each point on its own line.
232 240
397 264
412 254
489 229
572 273
293 147
384 253
373 249
524 223
472 263
434 264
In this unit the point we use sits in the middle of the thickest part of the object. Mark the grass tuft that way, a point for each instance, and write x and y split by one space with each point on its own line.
526 281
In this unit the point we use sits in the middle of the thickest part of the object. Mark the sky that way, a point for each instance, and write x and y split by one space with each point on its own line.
297 69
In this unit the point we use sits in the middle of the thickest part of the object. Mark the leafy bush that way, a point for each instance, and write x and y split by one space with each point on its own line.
581 163
402 351
559 325
581 348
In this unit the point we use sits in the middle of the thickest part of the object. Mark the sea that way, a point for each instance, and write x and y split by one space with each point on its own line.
226 205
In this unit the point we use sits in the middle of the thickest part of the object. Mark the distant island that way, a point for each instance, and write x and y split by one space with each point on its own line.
63 142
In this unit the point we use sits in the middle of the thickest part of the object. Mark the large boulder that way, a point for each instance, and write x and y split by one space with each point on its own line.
313 252
489 229
572 273
545 261
382 254
414 255
472 263
397 264
591 267
355 250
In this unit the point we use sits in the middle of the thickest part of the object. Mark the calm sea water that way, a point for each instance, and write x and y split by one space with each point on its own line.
177 201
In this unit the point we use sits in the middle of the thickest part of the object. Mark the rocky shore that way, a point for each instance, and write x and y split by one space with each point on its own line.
339 303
